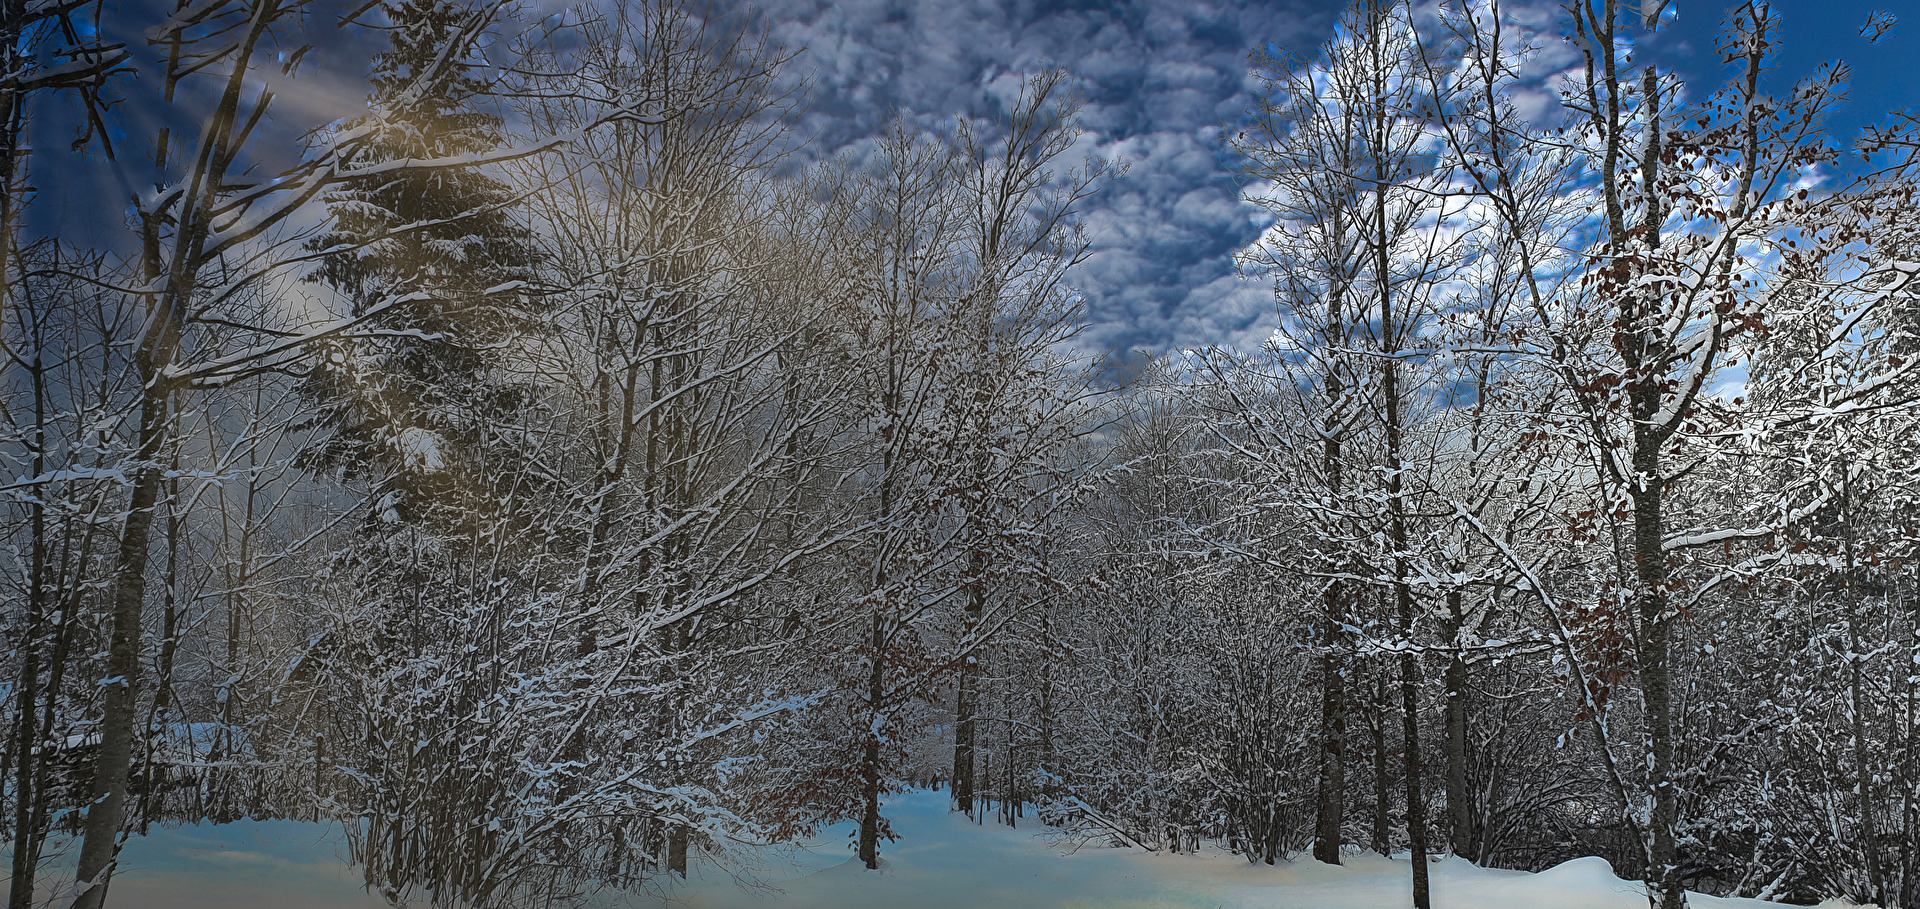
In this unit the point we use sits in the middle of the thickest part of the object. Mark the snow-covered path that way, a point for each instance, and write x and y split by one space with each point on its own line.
940 862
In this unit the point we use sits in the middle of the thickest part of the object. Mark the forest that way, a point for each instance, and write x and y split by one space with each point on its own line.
552 477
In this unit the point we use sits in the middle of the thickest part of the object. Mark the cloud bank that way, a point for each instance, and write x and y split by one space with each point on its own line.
1161 78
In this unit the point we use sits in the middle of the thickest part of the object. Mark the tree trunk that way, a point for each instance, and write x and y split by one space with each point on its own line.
677 850
1856 696
1416 799
1382 790
176 273
1331 798
1459 802
150 781
1663 871
963 741
1390 333
870 754
965 729
1647 491
27 753
1402 591
106 810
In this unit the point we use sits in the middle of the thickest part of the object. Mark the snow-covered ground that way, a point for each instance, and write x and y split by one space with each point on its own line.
264 864
944 862
940 862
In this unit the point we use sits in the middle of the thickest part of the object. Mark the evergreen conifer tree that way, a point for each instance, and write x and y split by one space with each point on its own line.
410 398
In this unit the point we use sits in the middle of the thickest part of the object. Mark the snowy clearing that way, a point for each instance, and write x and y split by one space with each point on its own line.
940 862
267 864
944 862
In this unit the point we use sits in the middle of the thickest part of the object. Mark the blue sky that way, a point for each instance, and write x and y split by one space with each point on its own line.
1162 78
1886 76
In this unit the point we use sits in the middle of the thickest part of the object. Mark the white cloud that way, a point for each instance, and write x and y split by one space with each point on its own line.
1159 79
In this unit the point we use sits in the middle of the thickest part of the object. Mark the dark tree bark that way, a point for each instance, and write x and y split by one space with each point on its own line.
869 842
106 809
1390 331
1460 832
1381 707
1330 802
1330 799
27 767
965 731
1647 489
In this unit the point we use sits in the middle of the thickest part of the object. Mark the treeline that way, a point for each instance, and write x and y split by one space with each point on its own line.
553 476
545 475
1568 510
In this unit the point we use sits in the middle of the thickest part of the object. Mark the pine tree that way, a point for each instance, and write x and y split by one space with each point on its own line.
416 401
410 398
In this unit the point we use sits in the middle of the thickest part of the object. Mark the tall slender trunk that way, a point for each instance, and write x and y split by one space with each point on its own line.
1330 799
1045 718
1656 632
1402 591
27 741
966 706
1857 702
1382 787
869 844
106 809
1415 767
966 700
238 581
63 631
964 734
1647 491
1460 831
150 781
1391 332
